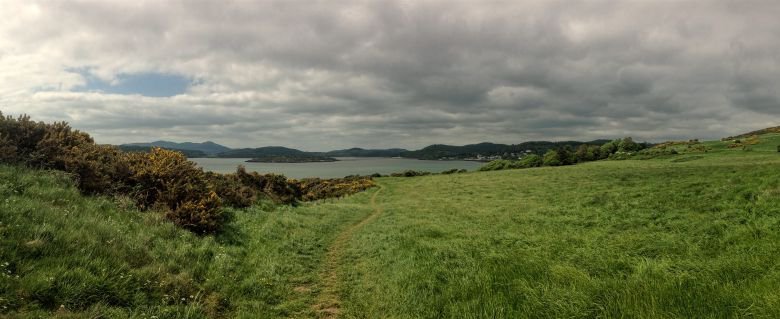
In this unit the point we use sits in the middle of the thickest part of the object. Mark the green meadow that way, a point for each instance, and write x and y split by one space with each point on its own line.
692 235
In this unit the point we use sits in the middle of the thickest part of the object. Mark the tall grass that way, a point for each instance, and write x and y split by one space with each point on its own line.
632 239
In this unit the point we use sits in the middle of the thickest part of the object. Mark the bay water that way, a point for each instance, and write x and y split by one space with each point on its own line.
345 166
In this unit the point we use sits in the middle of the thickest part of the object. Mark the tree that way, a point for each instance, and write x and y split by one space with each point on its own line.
7 149
594 151
586 153
566 155
551 158
628 145
531 160
608 149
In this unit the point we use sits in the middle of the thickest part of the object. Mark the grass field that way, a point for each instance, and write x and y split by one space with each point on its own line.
695 235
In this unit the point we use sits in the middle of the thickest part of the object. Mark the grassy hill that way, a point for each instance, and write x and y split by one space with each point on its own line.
688 235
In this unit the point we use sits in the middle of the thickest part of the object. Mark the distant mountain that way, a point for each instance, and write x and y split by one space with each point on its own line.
268 151
441 151
208 147
136 148
360 152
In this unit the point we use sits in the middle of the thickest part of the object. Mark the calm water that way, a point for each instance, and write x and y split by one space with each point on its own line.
345 166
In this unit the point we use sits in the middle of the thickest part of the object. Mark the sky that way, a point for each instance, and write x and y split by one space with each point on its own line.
322 75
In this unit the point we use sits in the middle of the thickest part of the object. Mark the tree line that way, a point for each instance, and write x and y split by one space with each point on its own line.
568 155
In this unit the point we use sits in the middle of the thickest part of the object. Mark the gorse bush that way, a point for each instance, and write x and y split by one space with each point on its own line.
275 186
166 178
98 169
232 192
201 215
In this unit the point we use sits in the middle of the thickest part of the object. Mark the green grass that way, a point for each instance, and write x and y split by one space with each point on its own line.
695 235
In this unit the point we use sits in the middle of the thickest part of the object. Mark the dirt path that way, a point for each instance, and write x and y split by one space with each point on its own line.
328 304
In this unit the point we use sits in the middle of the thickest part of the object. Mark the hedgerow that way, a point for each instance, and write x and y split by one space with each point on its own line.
159 179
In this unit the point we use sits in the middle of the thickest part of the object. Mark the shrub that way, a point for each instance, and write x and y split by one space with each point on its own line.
276 187
315 188
531 160
98 168
202 215
54 148
496 165
551 158
528 161
231 191
410 173
608 149
164 178
628 145
450 171
23 134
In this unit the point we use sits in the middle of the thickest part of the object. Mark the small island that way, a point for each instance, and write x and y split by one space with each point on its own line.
291 159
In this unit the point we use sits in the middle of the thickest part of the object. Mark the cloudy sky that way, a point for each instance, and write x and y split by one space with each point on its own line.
335 74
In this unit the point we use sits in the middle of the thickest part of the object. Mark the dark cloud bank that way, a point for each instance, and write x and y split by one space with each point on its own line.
325 75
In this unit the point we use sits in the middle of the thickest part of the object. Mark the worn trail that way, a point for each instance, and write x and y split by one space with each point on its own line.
329 304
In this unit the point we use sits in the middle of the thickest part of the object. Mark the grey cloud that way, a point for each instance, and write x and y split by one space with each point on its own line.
393 73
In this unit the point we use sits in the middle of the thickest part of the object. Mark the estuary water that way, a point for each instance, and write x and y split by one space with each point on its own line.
345 166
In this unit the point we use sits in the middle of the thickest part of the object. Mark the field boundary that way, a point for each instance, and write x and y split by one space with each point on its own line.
329 303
